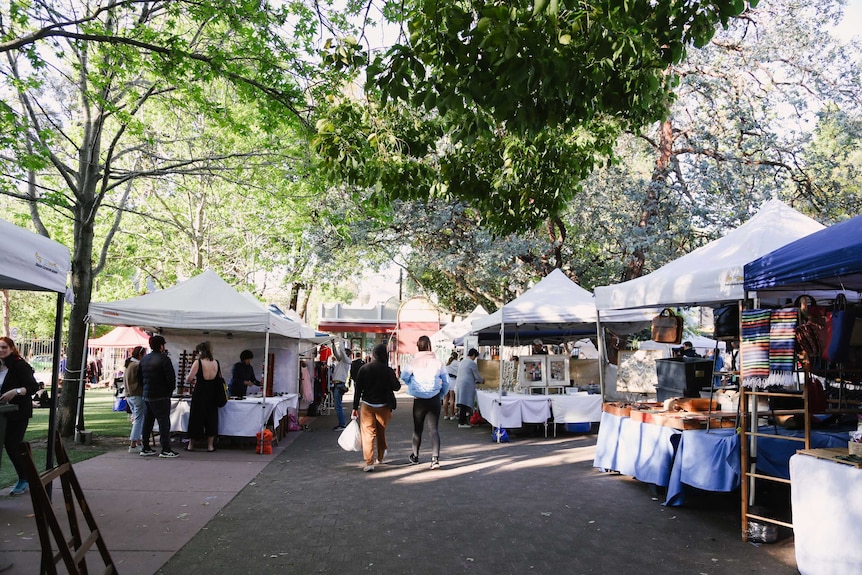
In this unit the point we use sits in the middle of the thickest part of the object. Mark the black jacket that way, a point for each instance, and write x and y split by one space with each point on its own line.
156 373
375 383
355 366
20 375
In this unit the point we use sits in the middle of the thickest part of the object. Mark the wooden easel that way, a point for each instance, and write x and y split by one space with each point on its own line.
72 551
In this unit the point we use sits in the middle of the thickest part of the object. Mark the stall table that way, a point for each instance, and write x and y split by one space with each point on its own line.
826 498
577 408
676 458
241 417
514 409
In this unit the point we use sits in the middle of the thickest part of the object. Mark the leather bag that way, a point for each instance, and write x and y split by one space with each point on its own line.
726 321
843 321
667 327
221 392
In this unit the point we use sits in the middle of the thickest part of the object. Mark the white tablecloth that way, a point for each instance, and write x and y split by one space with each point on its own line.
240 417
577 408
827 516
513 410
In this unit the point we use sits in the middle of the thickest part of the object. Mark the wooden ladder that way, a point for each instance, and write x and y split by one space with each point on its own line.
72 551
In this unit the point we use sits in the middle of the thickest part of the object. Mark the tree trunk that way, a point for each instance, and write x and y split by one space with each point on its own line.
652 202
82 284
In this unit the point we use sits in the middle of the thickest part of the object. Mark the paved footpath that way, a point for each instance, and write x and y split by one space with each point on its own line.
535 505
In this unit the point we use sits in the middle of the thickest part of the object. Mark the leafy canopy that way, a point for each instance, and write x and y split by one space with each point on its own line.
509 96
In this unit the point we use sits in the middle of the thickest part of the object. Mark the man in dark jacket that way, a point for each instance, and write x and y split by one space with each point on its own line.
355 365
156 373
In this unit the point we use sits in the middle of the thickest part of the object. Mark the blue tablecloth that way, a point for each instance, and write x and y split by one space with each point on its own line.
705 460
708 461
641 450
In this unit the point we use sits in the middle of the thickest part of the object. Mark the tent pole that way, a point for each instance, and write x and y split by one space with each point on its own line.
263 377
602 355
55 388
500 385
82 374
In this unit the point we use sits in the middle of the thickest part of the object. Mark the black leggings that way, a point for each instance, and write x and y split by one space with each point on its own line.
421 409
16 429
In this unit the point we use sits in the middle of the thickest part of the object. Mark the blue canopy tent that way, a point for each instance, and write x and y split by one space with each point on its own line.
830 259
826 261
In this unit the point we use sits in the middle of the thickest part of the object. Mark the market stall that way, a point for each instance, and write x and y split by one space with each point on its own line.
241 417
37 263
205 307
711 275
824 485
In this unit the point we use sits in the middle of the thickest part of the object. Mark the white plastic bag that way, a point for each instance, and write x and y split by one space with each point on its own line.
350 439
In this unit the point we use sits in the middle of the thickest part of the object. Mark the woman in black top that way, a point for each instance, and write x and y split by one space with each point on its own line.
203 415
18 385
376 384
242 375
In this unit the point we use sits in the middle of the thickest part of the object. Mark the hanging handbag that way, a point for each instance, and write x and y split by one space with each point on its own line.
843 321
667 327
221 393
726 321
813 330
856 334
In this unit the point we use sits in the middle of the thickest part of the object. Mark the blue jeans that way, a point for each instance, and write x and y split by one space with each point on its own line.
137 403
337 394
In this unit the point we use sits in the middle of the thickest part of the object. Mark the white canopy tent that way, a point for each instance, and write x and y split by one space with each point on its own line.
205 307
555 309
33 262
451 332
36 263
711 274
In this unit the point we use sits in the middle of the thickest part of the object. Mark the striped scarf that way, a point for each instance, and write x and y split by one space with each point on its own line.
755 347
782 340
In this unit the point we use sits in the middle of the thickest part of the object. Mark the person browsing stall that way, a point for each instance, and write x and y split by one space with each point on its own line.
465 392
135 397
17 385
159 379
340 374
449 408
203 415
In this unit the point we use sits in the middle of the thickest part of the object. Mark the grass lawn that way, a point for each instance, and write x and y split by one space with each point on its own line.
110 431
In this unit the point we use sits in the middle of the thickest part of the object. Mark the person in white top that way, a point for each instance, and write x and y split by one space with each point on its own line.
449 409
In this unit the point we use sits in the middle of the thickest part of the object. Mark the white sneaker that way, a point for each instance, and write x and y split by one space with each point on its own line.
134 448
368 468
380 461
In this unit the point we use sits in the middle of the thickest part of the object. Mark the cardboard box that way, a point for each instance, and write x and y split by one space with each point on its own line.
616 408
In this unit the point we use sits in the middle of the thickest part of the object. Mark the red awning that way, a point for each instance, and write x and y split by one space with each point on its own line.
356 327
122 336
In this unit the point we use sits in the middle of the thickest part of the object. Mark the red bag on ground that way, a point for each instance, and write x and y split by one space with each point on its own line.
476 418
266 444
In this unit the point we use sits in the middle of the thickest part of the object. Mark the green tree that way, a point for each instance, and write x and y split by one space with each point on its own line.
517 101
82 81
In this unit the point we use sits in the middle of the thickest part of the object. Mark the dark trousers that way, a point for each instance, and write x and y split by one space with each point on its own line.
430 409
157 410
15 431
464 414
